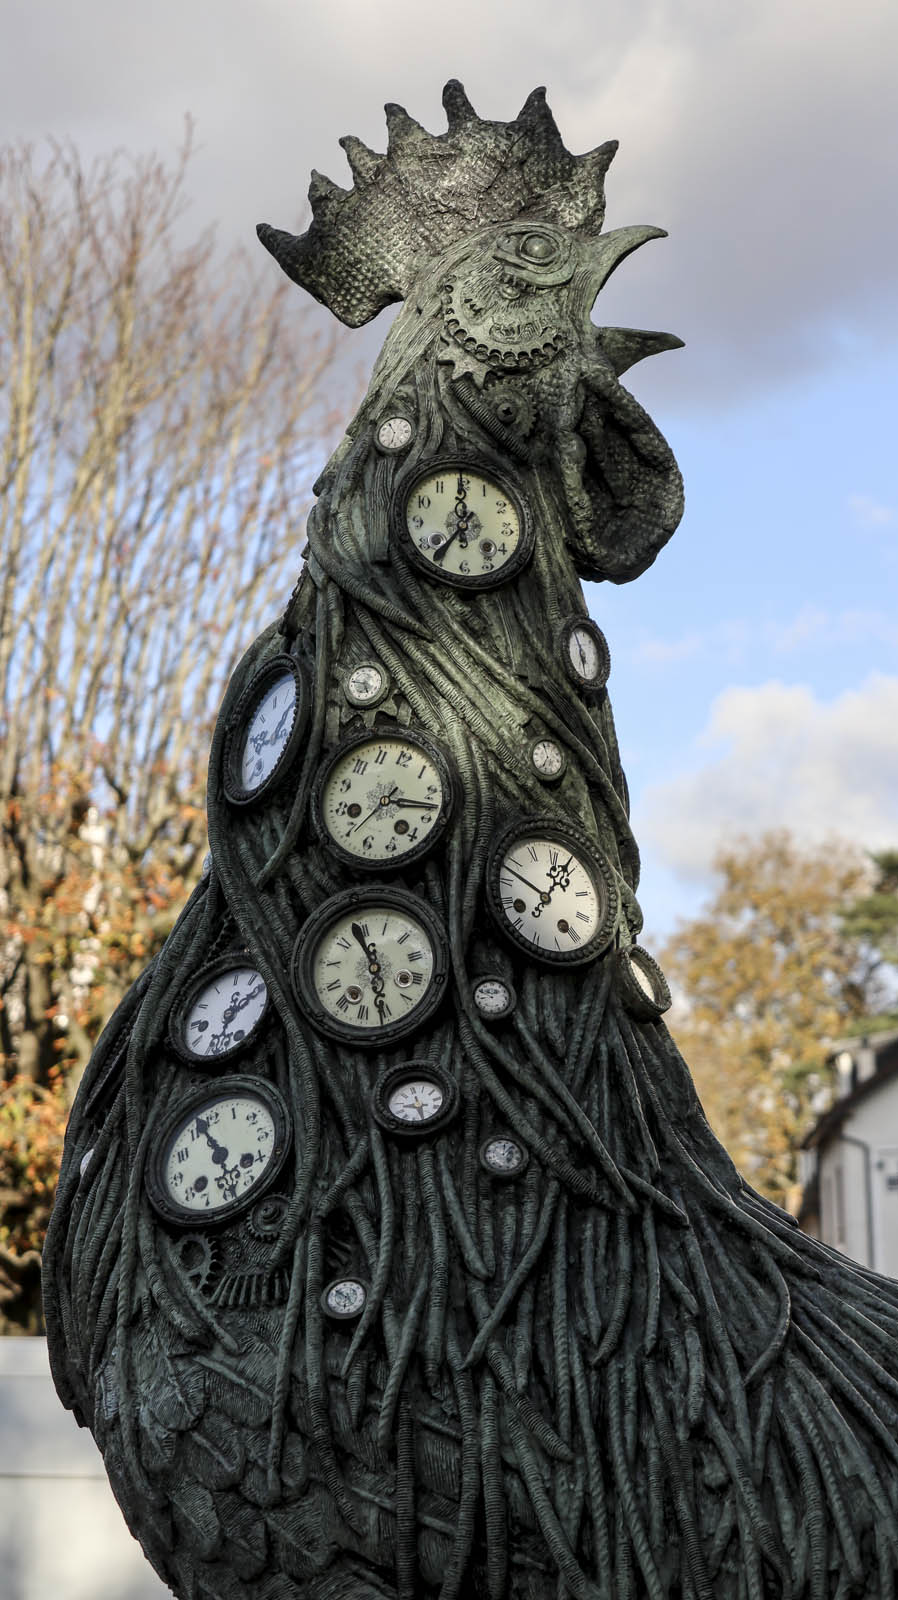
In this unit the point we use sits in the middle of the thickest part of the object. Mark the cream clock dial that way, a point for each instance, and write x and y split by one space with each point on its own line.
584 653
264 731
549 759
493 997
552 892
369 968
643 985
366 685
220 1011
394 434
218 1151
414 1098
465 527
344 1298
502 1156
383 801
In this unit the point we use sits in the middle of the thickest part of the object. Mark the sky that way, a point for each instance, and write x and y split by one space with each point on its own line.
755 666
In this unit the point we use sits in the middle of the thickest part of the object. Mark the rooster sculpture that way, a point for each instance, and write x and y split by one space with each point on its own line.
393 1255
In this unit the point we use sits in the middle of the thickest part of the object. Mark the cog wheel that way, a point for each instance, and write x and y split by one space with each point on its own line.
197 1257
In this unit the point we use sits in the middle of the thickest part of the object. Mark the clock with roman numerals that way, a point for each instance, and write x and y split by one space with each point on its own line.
552 892
370 967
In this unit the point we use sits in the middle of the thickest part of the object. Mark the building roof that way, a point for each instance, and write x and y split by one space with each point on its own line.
885 1052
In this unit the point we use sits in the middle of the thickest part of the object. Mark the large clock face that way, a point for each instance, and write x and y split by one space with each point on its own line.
465 527
218 1151
264 731
383 801
220 1012
370 967
552 892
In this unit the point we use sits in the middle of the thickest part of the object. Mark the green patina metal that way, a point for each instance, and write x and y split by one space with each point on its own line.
426 1277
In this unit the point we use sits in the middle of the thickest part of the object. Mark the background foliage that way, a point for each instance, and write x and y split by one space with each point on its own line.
161 414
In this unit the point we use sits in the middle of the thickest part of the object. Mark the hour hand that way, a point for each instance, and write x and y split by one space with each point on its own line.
419 805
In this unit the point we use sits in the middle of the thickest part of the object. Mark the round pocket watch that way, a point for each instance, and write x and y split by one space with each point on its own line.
219 1012
494 997
218 1151
552 892
414 1098
264 731
585 653
370 966
366 685
394 434
643 986
502 1156
383 799
463 526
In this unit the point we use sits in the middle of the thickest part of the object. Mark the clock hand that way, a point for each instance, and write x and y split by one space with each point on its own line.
383 801
419 805
545 898
219 1152
238 1005
462 518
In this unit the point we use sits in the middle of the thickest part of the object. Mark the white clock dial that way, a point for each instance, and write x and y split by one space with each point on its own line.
383 800
218 1153
552 892
548 758
222 1012
365 685
267 732
344 1297
493 997
394 433
583 654
645 990
373 967
415 1100
465 527
502 1156
585 651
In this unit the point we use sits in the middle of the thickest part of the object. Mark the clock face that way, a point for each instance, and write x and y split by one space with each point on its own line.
552 892
218 1151
383 801
493 997
503 1157
220 1011
370 967
394 433
585 653
643 985
465 527
366 685
414 1098
548 758
264 732
344 1297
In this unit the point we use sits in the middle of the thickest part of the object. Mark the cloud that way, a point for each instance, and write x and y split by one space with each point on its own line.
868 512
777 756
761 136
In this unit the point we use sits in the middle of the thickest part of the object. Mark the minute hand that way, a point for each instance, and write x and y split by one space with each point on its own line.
543 894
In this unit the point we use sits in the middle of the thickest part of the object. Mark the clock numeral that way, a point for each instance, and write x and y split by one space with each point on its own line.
424 501
582 917
403 936
362 1014
182 1155
342 1003
364 928
423 770
404 758
574 936
359 766
580 894
334 984
416 955
417 977
439 486
531 851
343 944
381 756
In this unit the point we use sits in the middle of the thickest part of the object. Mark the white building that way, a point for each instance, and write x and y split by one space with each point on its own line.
849 1160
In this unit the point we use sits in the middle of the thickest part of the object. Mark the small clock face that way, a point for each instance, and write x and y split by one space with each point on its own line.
394 433
585 653
643 985
218 1151
549 759
503 1157
493 997
369 968
552 892
415 1098
219 1012
465 527
264 731
366 685
383 801
344 1298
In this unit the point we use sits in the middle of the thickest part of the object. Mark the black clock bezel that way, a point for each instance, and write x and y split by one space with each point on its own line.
158 1194
344 1316
391 1077
235 790
461 580
493 977
504 1174
185 998
587 685
368 1035
548 777
589 855
438 827
634 997
396 414
375 700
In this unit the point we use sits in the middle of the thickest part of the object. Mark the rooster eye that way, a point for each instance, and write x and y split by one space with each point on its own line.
537 247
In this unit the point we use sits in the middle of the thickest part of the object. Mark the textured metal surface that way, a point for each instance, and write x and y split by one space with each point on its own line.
622 1374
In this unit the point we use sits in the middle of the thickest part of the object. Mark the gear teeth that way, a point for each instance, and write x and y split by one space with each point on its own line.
457 106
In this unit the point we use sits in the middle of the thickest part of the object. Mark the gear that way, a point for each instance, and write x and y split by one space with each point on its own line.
197 1257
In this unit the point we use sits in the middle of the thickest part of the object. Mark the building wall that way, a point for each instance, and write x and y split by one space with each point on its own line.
62 1536
858 1172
